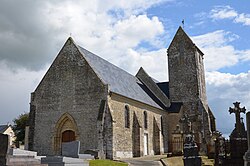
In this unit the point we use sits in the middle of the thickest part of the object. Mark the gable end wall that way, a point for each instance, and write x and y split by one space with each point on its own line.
71 86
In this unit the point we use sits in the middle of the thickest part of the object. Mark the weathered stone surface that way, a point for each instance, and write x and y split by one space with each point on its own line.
63 161
191 156
4 146
73 98
187 84
71 149
70 86
247 154
129 141
23 161
20 152
150 84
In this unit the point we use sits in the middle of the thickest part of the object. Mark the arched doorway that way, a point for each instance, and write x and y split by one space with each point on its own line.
65 131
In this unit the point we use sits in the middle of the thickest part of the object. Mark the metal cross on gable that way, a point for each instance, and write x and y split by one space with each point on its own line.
237 110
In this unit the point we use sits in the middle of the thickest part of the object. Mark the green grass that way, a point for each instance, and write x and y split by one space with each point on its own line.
106 163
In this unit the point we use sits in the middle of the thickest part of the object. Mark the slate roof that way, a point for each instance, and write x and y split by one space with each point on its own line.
3 128
120 81
175 107
152 86
164 86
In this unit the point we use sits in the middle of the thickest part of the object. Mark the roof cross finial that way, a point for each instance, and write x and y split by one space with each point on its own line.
182 23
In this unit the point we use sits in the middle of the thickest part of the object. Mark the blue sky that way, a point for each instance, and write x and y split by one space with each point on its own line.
130 34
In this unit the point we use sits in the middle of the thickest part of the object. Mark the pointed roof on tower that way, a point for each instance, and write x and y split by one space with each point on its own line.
180 37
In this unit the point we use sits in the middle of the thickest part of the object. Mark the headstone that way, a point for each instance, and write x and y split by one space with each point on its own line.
186 124
238 137
53 160
177 141
26 138
71 149
4 146
239 131
191 156
220 150
21 152
63 161
247 154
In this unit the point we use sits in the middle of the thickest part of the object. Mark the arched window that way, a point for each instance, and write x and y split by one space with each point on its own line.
127 117
145 119
161 125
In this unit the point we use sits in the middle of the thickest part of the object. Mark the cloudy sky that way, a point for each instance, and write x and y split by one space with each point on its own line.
130 34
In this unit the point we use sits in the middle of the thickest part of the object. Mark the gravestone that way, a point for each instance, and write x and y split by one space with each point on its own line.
239 130
71 149
186 124
177 141
238 137
247 154
26 138
191 156
4 146
63 161
220 151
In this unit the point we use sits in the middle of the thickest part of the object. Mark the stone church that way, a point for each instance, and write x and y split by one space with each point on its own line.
113 113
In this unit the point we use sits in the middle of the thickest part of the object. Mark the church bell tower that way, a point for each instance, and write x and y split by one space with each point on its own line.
187 82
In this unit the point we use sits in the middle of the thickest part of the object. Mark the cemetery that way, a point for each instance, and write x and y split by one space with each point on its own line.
86 111
234 151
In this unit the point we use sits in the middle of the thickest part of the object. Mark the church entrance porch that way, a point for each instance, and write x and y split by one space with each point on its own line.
65 131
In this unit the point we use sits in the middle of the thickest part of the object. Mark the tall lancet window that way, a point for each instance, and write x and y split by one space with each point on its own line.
145 119
127 117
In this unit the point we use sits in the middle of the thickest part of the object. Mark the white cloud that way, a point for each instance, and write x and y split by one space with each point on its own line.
103 33
223 89
130 32
243 18
111 29
93 24
227 12
217 49
154 63
15 88
223 12
245 55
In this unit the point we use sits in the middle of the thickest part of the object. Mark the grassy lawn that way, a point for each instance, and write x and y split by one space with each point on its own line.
106 163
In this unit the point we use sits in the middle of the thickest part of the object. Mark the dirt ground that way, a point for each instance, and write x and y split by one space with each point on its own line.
177 161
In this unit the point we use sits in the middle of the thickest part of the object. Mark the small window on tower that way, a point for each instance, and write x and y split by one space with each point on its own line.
127 117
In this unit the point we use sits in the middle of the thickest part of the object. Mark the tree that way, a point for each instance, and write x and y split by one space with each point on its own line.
19 126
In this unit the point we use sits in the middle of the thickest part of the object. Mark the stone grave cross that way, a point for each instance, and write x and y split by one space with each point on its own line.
186 124
237 110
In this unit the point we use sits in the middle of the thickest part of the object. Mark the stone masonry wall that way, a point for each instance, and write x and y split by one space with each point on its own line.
187 81
71 86
122 138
